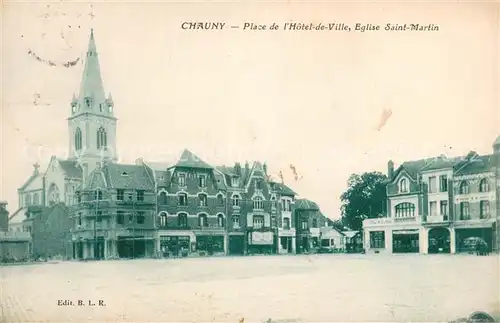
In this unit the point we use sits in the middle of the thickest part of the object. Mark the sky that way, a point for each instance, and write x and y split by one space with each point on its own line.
309 99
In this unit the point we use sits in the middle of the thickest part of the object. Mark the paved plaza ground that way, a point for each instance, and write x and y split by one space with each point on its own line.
318 288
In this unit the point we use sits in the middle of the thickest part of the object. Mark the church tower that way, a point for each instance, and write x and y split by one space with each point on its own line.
92 124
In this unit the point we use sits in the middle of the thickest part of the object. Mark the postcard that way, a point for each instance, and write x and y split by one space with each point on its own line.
250 161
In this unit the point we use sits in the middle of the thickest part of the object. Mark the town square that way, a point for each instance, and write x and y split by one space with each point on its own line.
285 196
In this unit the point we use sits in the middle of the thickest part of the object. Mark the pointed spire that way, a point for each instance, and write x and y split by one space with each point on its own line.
91 87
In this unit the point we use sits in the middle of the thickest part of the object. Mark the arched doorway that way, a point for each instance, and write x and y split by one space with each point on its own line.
439 240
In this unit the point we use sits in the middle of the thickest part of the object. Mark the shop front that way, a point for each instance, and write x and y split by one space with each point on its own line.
286 241
236 243
469 238
210 244
175 246
261 242
405 241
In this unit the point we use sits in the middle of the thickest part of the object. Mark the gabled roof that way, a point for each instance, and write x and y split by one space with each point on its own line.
305 204
413 167
190 160
480 164
31 179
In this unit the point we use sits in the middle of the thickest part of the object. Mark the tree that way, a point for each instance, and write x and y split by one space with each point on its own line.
364 198
337 225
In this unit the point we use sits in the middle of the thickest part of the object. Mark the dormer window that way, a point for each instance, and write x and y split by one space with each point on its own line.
124 174
202 181
403 185
235 181
88 102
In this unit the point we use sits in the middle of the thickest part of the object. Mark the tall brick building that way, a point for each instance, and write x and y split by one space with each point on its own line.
115 210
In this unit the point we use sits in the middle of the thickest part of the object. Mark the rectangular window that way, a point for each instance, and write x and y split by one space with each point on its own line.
182 179
120 195
236 222
286 223
273 221
140 196
99 216
203 200
163 220
182 199
444 208
120 217
464 211
433 208
258 222
304 225
443 183
131 218
377 239
432 184
202 181
484 209
140 218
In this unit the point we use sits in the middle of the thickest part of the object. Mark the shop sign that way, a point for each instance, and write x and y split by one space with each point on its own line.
262 238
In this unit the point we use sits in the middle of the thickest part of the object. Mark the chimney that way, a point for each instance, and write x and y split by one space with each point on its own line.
247 166
237 169
390 169
264 167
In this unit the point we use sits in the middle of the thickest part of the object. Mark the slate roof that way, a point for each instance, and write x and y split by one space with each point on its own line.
469 164
70 168
230 171
442 162
284 190
481 164
91 84
305 204
190 160
128 176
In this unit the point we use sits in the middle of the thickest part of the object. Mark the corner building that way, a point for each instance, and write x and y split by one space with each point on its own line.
439 205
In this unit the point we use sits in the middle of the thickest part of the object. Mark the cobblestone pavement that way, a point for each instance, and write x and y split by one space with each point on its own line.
321 288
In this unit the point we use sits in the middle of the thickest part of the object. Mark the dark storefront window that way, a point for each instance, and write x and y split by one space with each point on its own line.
377 239
210 243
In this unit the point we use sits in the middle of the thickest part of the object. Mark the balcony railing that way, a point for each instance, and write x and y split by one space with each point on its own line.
437 218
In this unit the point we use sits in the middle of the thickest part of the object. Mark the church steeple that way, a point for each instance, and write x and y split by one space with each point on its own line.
91 97
92 124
